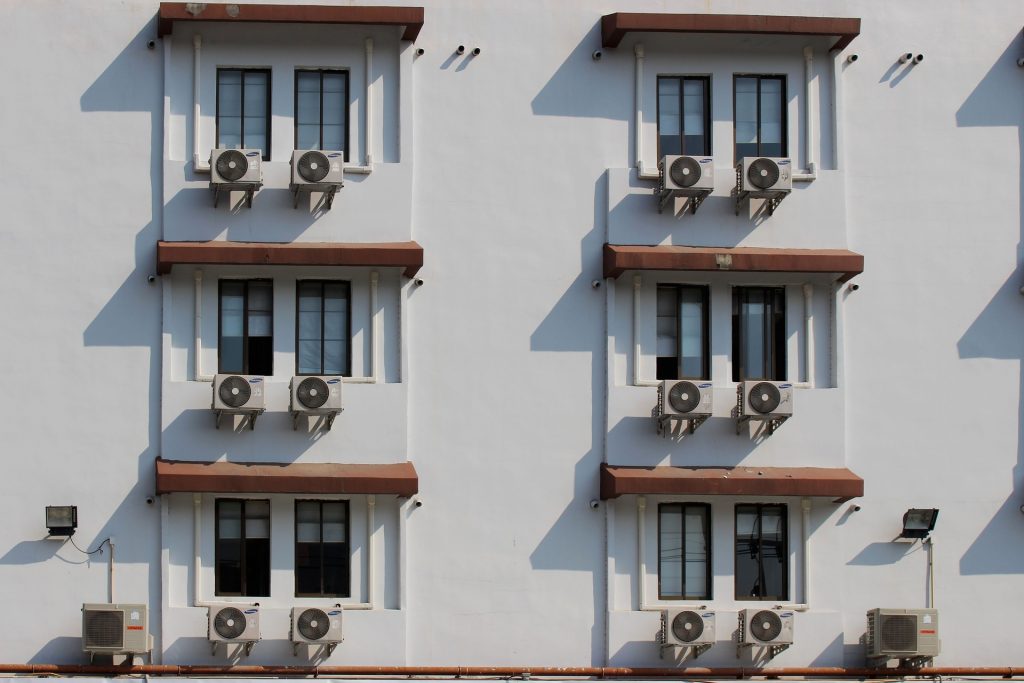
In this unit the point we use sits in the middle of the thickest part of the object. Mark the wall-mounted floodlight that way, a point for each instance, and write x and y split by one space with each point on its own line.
919 522
61 520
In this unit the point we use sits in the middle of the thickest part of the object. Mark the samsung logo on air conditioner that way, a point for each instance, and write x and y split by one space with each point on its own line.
333 381
783 162
251 611
334 613
332 155
785 386
705 385
705 161
255 380
252 154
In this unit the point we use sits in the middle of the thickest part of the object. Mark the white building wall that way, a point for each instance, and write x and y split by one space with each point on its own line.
507 378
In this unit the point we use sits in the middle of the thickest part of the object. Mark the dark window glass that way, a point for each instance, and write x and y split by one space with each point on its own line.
758 333
321 110
684 551
760 116
322 334
243 109
682 343
321 549
242 554
684 115
246 343
761 553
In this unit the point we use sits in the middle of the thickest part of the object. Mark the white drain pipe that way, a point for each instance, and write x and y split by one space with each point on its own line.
641 172
805 528
811 173
367 168
199 165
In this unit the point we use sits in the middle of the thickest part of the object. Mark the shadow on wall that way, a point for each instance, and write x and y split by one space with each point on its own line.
997 332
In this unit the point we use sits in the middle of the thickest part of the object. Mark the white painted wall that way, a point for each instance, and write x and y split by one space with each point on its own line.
506 376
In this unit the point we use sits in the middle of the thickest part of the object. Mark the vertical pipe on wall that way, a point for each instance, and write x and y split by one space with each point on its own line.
367 116
930 546
809 334
198 165
110 571
805 558
638 133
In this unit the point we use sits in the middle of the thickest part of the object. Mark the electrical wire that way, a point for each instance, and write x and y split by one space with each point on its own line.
99 548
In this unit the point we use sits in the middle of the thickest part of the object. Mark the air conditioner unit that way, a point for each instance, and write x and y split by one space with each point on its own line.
764 174
238 395
315 626
317 171
233 624
235 169
316 395
766 627
685 398
686 174
115 629
902 634
688 628
764 400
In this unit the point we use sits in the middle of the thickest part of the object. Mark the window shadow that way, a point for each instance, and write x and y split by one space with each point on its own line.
996 332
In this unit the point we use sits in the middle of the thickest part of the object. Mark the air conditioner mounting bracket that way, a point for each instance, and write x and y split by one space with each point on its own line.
665 423
250 415
328 421
696 198
773 423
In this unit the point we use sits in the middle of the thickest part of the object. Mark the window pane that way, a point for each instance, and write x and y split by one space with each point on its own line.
309 325
696 543
255 94
773 524
257 519
307 522
746 117
693 107
229 567
229 93
308 136
691 324
669 122
771 116
336 569
334 137
753 325
229 132
307 81
335 359
335 525
307 568
670 559
747 560
668 321
257 567
232 302
309 358
229 518
308 111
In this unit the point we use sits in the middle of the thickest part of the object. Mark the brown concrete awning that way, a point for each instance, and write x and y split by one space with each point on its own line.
406 255
620 258
826 482
615 26
173 476
410 18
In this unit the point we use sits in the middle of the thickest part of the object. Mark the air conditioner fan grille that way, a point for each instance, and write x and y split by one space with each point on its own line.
684 172
234 391
764 397
229 623
684 396
314 166
104 629
899 633
313 624
312 392
763 173
232 165
687 626
766 626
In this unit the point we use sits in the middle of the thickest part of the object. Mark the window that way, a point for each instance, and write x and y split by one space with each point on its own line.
682 344
246 340
684 115
761 553
760 112
321 549
684 551
321 110
243 547
322 328
243 109
758 333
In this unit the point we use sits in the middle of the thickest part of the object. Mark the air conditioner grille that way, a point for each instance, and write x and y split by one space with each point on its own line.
104 629
235 391
684 172
766 626
229 623
684 396
899 633
313 624
687 626
312 392
763 173
765 397
232 165
314 166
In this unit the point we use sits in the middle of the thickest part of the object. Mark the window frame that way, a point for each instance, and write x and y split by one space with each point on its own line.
773 335
347 371
682 78
347 544
783 124
245 324
295 109
242 554
708 534
705 291
268 126
785 554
